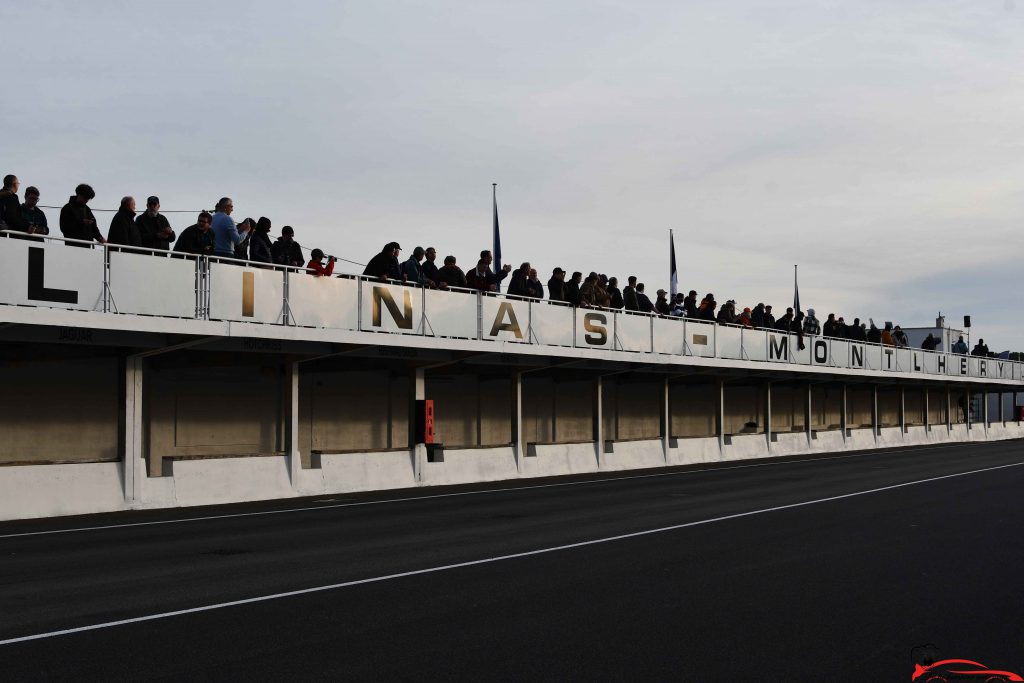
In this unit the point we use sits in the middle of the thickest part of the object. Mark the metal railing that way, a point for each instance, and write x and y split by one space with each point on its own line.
137 281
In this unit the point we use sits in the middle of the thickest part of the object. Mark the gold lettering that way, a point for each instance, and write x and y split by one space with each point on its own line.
248 295
597 333
505 309
402 320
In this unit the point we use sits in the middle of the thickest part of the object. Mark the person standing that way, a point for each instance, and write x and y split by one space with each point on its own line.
32 215
572 289
286 251
123 228
643 301
10 207
260 248
225 233
534 287
556 285
430 270
629 299
77 221
153 226
617 301
451 275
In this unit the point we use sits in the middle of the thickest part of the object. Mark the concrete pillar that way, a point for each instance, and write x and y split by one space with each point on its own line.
292 428
844 419
666 420
808 413
927 411
874 415
419 393
721 417
984 410
134 465
1002 418
599 421
517 420
903 411
949 415
967 408
768 417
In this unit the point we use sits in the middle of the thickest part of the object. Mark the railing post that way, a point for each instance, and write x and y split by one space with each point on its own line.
808 413
517 420
768 415
875 427
599 420
666 419
721 417
294 456
134 469
844 419
903 412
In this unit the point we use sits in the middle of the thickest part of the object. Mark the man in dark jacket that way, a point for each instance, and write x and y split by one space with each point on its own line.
153 226
517 285
556 285
930 342
411 269
785 323
643 301
757 316
482 278
10 207
856 331
690 304
572 288
661 305
534 288
629 299
980 349
123 228
430 269
451 274
385 264
286 251
198 238
829 328
488 258
260 248
77 221
769 318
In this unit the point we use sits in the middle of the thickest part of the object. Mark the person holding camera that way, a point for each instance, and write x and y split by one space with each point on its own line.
316 267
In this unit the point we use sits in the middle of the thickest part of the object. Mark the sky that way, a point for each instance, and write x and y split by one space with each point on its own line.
877 145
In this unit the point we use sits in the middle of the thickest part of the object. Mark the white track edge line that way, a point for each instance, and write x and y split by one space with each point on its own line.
260 513
488 560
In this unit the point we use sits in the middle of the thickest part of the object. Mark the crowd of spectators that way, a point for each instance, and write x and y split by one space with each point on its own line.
217 234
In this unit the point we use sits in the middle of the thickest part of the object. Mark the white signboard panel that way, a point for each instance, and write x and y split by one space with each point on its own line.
328 302
821 350
246 294
551 324
50 274
839 353
669 336
730 342
632 332
700 338
957 365
152 285
391 308
504 319
755 344
904 361
450 314
929 362
780 349
594 329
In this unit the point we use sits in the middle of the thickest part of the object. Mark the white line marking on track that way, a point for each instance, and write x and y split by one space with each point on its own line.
823 458
488 560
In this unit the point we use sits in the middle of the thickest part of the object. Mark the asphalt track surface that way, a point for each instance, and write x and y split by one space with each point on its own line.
811 569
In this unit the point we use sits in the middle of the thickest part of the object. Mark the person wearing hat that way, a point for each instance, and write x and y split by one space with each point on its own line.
661 303
385 264
556 286
154 227
286 251
744 318
316 266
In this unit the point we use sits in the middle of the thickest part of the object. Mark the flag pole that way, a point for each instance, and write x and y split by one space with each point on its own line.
496 236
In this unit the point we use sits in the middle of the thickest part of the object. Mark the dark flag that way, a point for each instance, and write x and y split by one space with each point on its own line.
497 235
796 294
673 274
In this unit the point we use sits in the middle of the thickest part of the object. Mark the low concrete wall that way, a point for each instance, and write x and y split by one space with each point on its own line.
53 490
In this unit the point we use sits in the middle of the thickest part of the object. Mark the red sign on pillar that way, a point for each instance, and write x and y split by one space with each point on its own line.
425 421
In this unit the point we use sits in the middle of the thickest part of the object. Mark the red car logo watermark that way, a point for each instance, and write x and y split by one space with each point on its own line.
948 670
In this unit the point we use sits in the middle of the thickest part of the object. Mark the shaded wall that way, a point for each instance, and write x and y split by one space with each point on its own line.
826 407
693 409
56 408
557 410
745 407
471 409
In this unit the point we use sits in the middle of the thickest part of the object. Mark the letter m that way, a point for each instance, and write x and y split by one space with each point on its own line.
778 347
403 319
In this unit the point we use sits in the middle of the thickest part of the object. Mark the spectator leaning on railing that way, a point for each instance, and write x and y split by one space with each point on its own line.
286 251
451 274
385 264
198 238
316 266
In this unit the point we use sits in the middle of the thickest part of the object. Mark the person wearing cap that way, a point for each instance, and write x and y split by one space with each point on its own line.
385 264
661 304
153 226
744 318
226 235
811 325
316 266
286 251
629 300
678 306
260 248
556 286
451 275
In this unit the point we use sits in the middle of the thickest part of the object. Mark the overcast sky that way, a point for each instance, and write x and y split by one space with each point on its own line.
876 144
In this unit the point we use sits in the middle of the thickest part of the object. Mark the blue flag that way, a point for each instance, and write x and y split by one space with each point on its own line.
497 235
